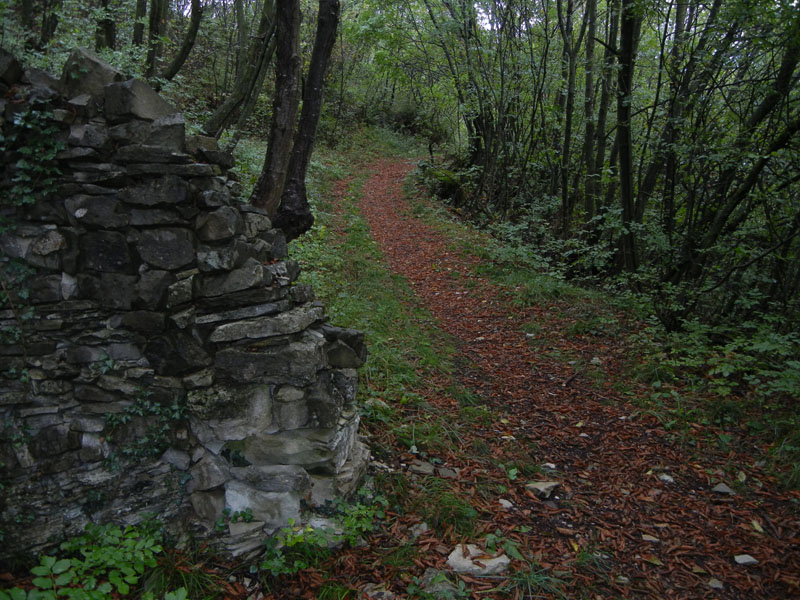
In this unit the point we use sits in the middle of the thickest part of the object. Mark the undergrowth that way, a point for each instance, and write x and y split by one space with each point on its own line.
105 562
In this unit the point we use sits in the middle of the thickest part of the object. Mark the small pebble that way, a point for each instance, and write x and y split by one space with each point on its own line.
715 584
721 488
745 560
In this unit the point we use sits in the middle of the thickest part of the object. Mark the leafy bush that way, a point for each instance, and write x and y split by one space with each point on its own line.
105 562
359 518
293 549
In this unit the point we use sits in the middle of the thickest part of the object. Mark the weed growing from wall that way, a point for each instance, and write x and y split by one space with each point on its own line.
29 149
159 421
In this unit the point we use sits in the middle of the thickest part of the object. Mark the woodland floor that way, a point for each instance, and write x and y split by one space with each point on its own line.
634 515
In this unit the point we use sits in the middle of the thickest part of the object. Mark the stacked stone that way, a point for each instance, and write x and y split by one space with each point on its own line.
153 286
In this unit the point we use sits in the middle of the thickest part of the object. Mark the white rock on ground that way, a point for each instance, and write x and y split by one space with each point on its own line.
476 561
721 488
542 489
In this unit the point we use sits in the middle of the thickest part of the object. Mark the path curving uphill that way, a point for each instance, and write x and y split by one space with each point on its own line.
634 515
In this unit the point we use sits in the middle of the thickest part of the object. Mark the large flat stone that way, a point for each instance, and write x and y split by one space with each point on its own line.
190 170
246 312
87 73
135 153
160 190
106 251
319 449
295 363
209 473
151 290
134 98
249 275
176 354
221 224
167 248
292 321
273 508
231 413
274 478
168 132
106 212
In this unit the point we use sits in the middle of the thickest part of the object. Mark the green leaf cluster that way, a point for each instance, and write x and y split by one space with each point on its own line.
105 562
160 419
29 148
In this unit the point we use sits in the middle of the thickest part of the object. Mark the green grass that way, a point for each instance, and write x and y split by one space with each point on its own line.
402 557
535 582
343 264
441 507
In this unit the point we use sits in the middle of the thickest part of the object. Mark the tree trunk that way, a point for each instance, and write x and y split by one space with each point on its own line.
105 35
138 26
671 167
188 42
157 27
294 215
248 82
49 22
567 105
606 93
250 105
588 111
243 36
269 187
628 28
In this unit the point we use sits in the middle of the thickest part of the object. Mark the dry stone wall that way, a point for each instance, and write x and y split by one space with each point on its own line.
159 355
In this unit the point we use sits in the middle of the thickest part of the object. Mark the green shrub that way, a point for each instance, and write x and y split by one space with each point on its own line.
105 562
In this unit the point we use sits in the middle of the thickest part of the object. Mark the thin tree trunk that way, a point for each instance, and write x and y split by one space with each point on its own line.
49 22
565 27
676 55
243 35
269 187
684 97
628 28
294 215
605 101
588 111
138 26
249 106
105 35
571 49
248 82
157 26
188 42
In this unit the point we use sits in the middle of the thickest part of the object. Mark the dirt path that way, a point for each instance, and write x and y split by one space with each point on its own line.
634 515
